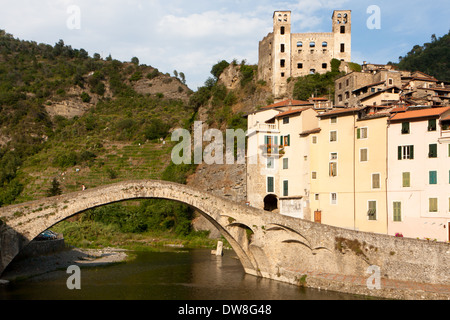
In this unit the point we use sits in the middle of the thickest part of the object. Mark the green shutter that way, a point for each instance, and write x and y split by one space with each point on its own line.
397 211
285 188
433 177
411 151
433 203
270 184
406 179
400 153
358 133
432 151
289 140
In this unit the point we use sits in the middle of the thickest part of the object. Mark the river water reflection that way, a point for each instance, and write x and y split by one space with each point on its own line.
177 274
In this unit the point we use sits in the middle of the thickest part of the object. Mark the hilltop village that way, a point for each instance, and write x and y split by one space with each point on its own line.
376 159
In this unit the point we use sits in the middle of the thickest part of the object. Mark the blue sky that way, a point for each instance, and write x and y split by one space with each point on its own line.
191 36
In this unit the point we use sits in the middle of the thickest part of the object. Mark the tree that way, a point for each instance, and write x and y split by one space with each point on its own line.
135 61
218 68
55 189
183 78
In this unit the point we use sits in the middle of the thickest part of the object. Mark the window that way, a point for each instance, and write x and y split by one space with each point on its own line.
282 30
282 49
324 44
282 63
340 98
376 181
270 163
285 188
333 120
312 44
397 211
286 120
270 184
405 128
333 136
432 153
285 163
314 175
405 152
342 29
390 81
314 139
432 125
361 133
299 44
363 155
342 47
347 95
406 179
333 169
433 177
372 210
333 156
333 199
324 65
286 140
300 65
432 205
316 197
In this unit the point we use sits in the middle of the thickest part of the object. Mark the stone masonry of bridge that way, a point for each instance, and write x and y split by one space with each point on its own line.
268 245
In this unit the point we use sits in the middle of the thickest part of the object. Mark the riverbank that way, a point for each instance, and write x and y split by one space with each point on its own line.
41 265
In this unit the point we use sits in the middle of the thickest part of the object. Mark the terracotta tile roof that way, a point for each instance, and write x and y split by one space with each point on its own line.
429 112
287 103
338 112
291 112
446 118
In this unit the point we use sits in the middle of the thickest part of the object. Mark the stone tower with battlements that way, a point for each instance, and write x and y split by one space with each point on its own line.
283 54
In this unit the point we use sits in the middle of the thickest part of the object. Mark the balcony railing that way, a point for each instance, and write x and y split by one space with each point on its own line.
265 127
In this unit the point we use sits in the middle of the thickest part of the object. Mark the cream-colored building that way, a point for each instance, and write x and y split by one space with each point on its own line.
277 160
348 170
283 54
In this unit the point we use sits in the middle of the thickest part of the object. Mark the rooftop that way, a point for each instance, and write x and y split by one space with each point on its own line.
422 113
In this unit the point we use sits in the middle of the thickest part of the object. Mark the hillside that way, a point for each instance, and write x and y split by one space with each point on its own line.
70 121
431 58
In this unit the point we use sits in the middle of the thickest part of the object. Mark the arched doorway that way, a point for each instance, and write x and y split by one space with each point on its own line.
271 203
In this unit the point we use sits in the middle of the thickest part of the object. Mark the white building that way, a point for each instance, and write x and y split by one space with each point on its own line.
419 174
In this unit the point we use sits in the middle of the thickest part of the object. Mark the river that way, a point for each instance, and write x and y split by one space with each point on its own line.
169 274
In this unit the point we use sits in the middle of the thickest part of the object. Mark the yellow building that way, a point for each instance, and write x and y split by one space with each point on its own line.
348 170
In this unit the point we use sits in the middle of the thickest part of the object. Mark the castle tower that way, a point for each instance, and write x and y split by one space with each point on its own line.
342 32
281 50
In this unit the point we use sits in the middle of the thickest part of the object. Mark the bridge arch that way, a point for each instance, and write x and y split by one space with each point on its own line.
22 223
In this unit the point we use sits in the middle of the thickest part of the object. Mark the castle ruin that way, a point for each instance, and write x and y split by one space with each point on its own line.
283 54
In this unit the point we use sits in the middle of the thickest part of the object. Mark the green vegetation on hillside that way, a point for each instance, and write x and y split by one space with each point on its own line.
431 58
318 84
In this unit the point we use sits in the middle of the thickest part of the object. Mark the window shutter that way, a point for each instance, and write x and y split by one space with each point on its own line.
270 184
358 133
406 179
400 153
433 177
289 140
397 211
411 149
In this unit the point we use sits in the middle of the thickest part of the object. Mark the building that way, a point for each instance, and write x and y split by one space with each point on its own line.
277 160
354 88
419 173
283 54
348 170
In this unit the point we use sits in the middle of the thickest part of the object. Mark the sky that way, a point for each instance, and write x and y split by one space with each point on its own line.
191 36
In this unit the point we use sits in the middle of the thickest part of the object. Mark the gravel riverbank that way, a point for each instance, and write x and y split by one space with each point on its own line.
41 265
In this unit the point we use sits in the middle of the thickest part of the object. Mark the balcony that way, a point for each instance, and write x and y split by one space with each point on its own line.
263 127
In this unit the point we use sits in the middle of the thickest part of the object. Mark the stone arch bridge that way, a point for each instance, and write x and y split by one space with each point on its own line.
268 245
